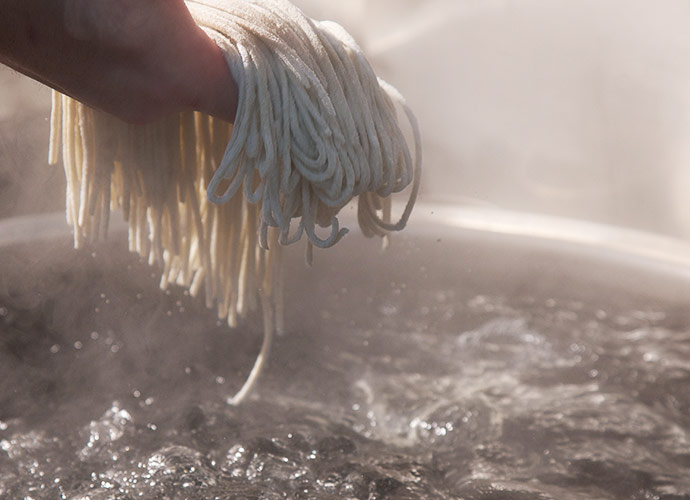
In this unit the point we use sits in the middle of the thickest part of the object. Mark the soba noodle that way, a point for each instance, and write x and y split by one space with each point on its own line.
212 203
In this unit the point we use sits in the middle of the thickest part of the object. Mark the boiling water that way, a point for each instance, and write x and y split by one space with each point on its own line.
474 368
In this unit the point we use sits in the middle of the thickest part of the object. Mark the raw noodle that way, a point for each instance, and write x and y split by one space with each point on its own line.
212 203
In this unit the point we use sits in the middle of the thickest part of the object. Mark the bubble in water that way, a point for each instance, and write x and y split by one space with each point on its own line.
180 467
114 423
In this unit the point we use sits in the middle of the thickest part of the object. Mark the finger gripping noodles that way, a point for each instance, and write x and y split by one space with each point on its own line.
212 203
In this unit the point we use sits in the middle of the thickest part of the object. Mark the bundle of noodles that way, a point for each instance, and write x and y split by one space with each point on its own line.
212 203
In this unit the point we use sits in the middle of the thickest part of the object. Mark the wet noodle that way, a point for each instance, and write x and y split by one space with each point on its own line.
212 203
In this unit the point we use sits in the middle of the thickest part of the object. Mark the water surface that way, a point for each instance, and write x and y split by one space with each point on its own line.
472 367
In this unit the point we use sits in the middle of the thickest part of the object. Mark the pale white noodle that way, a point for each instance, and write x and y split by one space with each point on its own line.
212 203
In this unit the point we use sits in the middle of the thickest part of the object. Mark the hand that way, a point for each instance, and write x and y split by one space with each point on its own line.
137 59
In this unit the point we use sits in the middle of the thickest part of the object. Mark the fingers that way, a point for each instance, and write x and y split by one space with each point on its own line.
216 91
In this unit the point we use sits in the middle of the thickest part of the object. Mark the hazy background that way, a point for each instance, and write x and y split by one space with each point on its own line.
577 108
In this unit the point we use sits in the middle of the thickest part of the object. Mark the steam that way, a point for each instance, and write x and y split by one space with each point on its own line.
575 108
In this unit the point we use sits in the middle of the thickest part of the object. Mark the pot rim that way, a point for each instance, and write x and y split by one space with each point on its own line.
429 218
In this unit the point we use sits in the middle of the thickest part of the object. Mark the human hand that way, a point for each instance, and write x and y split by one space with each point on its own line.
137 59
